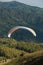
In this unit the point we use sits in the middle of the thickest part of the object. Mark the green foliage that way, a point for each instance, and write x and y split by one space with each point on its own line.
9 52
25 46
15 14
22 52
28 46
2 58
28 59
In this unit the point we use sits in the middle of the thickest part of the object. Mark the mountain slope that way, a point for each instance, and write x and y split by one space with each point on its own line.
15 14
28 59
13 52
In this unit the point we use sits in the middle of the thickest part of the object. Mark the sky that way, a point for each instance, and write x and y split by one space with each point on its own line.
38 3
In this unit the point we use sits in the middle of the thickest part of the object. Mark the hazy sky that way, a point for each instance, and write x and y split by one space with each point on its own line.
38 3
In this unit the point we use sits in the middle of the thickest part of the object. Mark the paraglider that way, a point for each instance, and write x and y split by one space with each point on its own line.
21 27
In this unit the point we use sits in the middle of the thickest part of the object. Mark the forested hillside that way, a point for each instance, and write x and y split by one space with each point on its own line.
15 14
14 52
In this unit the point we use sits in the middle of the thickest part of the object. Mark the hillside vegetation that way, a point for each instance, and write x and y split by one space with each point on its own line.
15 14
22 48
21 45
20 52
28 59
11 48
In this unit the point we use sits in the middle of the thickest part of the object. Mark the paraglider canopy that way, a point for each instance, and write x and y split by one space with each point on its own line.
21 27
